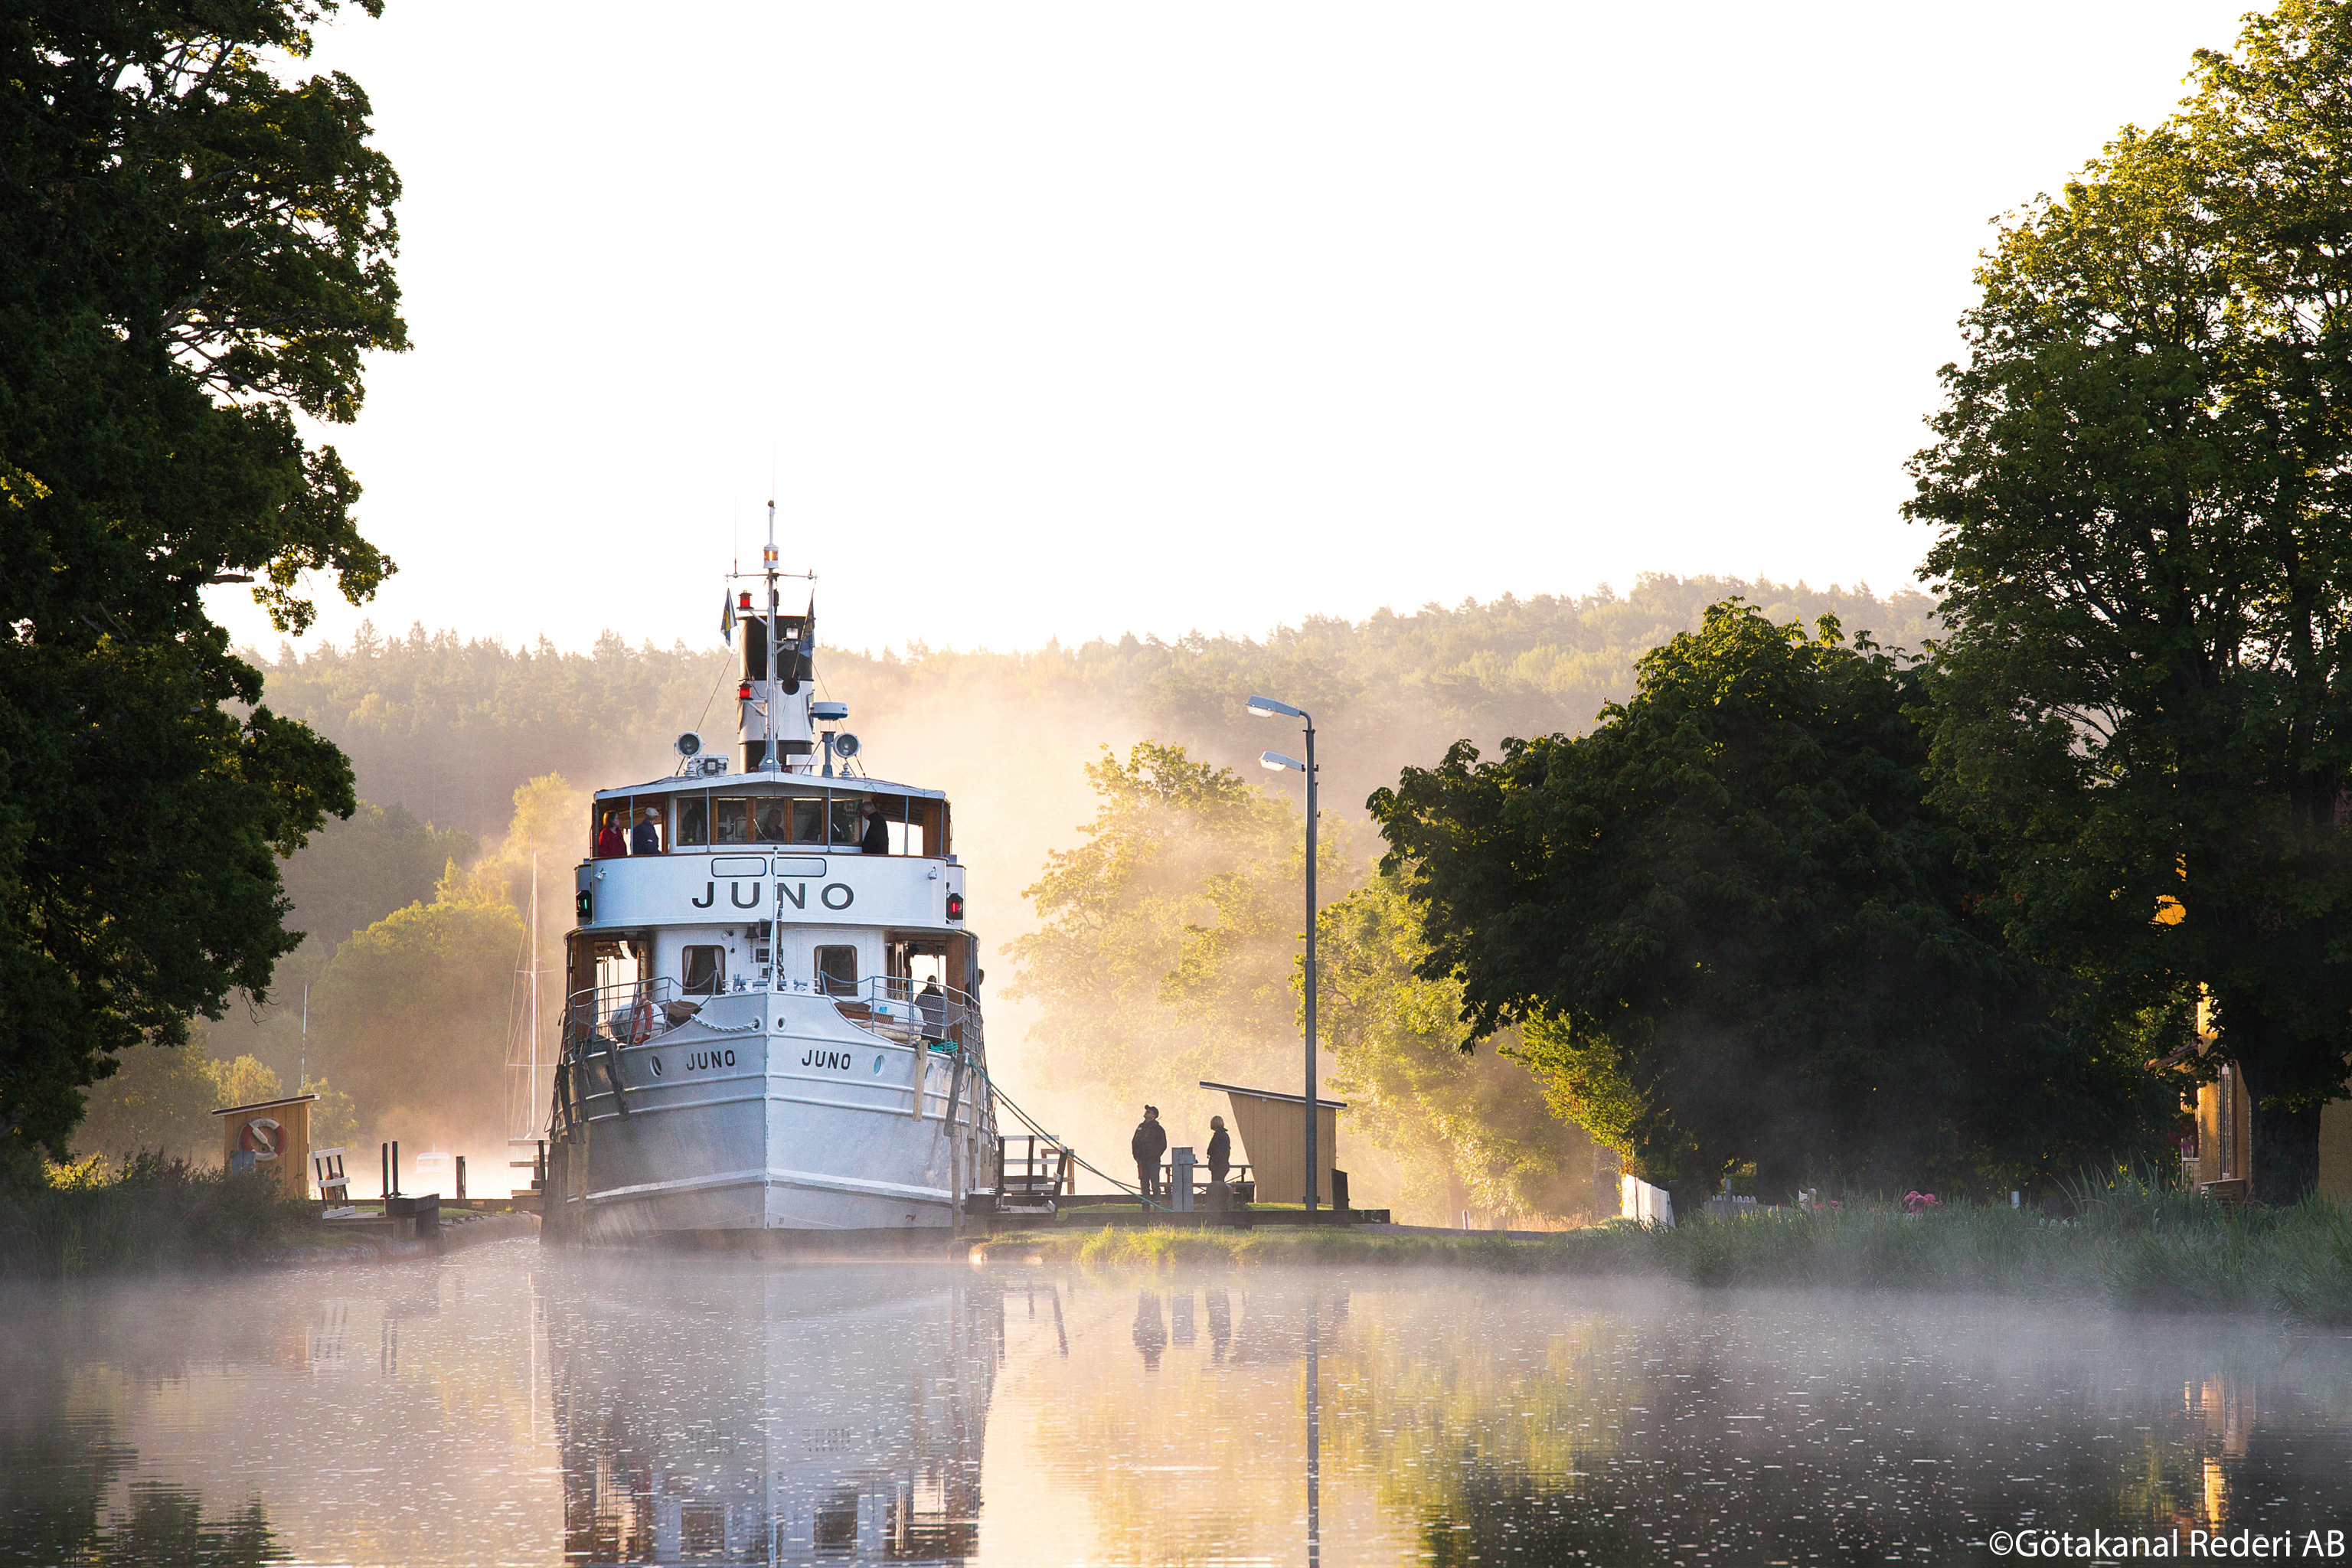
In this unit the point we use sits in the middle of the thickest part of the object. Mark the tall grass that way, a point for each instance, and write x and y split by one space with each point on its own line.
153 1213
2130 1242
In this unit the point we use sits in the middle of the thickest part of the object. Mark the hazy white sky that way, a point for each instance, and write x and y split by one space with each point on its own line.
1071 320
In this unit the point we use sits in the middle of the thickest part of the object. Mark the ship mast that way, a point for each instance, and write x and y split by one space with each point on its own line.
531 1092
768 713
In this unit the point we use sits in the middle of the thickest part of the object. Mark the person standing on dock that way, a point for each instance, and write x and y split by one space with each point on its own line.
1221 1160
1149 1142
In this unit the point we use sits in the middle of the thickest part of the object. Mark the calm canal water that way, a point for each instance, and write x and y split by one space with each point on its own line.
502 1405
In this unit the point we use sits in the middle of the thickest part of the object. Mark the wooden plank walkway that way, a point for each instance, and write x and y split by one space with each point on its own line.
1092 1212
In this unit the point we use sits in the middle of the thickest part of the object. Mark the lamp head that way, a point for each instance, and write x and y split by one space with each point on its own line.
1274 763
1266 708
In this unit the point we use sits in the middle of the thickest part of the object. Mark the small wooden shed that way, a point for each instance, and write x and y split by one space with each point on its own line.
1271 1127
276 1133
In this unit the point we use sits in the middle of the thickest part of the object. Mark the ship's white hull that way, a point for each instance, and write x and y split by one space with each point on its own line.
769 1111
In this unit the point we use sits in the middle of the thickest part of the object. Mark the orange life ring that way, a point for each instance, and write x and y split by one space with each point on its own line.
641 1024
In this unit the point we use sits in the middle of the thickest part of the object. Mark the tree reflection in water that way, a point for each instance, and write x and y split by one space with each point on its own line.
1711 1437
59 1463
1453 1418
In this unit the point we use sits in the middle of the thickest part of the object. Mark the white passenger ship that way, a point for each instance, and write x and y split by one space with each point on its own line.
773 1023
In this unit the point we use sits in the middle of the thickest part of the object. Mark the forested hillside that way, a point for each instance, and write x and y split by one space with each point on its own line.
448 726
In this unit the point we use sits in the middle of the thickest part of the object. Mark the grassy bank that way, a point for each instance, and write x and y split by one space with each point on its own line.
2129 1246
152 1214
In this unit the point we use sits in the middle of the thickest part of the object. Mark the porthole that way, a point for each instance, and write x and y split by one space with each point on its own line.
877 1067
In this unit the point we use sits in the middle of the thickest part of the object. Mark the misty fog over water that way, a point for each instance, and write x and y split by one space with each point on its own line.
510 1405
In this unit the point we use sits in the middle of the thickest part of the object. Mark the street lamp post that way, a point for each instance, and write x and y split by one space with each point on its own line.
1266 708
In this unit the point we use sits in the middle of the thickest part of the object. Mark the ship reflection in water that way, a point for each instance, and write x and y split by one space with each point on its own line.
509 1405
745 1413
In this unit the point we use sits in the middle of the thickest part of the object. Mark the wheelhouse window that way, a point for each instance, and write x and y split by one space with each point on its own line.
837 971
731 819
705 971
790 819
693 822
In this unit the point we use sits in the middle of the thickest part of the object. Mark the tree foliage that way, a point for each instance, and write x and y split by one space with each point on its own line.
161 1100
354 872
191 250
1468 1128
2142 487
410 1019
1167 939
1732 929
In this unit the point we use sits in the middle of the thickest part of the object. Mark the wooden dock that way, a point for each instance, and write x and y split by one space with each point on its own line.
1092 1211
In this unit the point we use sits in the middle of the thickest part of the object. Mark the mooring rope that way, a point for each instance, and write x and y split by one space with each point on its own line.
1031 1122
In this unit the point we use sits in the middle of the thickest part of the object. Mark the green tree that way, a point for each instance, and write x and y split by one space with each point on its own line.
1732 929
1470 1128
192 251
248 1080
334 1119
353 873
2142 488
410 1019
161 1099
1159 960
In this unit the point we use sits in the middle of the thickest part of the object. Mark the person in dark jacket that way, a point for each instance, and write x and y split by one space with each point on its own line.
1149 1142
1221 1160
646 837
877 839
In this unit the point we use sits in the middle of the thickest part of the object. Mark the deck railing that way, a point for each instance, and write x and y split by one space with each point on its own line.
629 1013
897 1008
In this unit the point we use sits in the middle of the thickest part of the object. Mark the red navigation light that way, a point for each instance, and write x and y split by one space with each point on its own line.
744 600
955 905
743 692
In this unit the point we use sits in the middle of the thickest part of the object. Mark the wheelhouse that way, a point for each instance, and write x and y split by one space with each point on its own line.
733 811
